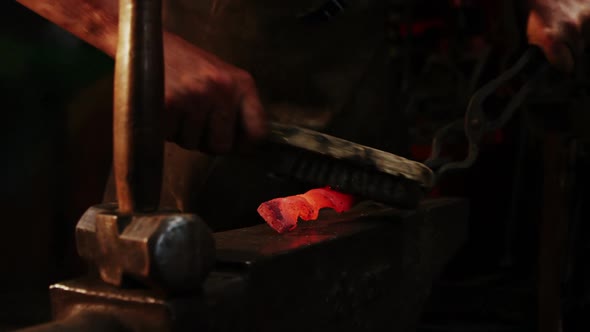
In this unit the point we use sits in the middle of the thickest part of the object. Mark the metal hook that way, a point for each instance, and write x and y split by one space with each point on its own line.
476 123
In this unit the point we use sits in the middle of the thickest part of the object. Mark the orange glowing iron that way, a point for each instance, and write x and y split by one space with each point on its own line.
282 214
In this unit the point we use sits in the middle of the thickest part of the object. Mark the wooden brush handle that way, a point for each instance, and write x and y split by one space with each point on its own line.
138 106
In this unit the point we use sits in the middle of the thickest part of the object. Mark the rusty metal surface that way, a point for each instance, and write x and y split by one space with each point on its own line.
139 310
368 270
341 149
88 304
166 250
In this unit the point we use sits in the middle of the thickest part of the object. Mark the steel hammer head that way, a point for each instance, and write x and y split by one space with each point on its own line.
165 250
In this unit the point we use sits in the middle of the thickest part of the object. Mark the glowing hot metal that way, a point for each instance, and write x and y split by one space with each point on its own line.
283 213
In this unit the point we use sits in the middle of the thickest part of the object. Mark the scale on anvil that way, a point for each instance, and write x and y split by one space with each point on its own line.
356 271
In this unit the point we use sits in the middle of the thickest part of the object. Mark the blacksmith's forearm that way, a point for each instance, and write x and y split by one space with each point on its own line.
94 21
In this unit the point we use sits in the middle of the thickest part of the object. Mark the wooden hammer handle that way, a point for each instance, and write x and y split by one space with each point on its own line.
138 106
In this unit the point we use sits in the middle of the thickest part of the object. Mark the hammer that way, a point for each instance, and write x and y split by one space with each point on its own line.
138 106
163 249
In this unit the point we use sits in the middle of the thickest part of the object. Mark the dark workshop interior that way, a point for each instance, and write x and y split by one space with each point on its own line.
497 244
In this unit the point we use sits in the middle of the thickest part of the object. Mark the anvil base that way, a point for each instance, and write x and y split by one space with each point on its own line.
368 270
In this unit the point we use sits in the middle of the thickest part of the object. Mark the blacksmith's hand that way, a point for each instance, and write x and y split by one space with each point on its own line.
212 106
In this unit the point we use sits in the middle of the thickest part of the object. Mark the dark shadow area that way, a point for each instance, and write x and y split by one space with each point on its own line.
43 72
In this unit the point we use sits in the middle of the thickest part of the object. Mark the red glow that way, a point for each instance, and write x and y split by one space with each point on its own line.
420 152
419 28
283 213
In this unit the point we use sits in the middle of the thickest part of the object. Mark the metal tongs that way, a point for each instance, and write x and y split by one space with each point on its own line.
477 122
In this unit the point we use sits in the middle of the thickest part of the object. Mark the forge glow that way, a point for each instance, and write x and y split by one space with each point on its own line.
283 213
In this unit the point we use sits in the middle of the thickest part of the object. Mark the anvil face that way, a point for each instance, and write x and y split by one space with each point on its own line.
370 269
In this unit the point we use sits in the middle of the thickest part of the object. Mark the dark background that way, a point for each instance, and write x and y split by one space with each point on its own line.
46 83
